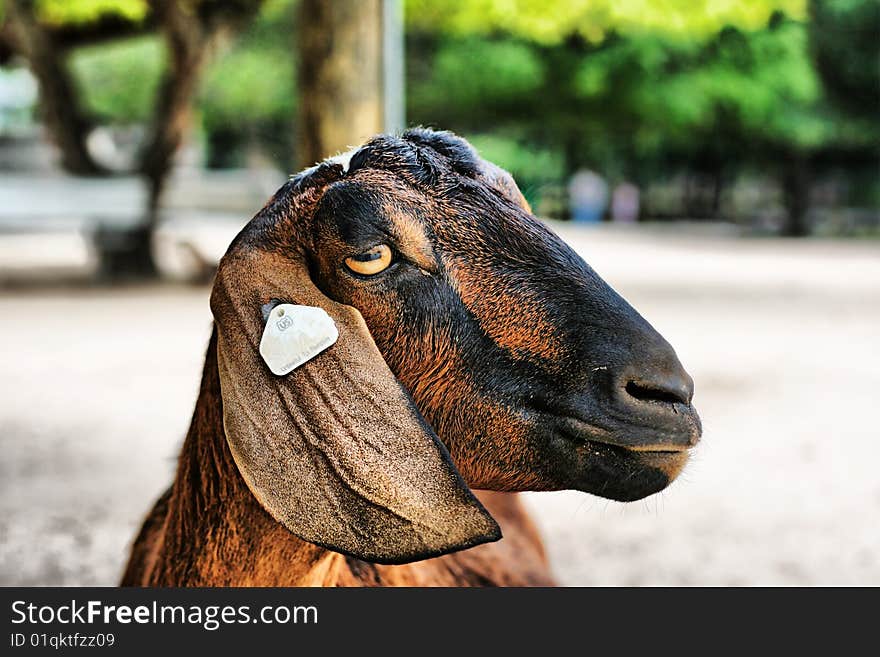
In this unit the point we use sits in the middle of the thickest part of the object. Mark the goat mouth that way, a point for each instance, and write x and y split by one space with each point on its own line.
631 462
661 440
619 473
674 430
612 453
655 449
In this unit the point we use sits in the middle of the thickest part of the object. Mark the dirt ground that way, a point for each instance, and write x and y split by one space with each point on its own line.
97 386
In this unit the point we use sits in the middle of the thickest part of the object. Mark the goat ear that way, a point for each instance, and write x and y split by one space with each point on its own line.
335 450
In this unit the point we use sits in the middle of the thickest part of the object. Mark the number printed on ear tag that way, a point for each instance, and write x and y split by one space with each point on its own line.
294 335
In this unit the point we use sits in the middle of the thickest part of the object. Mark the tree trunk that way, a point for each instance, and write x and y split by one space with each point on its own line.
191 39
188 48
717 191
340 76
796 190
59 103
189 45
687 196
191 29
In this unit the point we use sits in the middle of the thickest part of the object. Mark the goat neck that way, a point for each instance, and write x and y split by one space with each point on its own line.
215 532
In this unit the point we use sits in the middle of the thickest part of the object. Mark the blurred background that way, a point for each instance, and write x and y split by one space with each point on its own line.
717 162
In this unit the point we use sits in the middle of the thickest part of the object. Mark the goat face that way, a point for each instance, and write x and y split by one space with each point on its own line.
532 371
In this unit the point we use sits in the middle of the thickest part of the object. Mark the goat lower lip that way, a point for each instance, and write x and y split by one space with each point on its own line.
659 441
658 449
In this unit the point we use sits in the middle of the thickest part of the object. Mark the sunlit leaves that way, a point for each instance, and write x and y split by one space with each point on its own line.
551 21
57 12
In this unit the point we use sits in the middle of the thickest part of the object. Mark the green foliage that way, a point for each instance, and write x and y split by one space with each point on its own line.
495 72
550 22
531 166
249 93
638 89
845 40
249 86
118 80
253 81
473 81
59 12
249 97
640 102
757 84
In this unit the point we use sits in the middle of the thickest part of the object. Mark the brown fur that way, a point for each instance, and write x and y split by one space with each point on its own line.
240 544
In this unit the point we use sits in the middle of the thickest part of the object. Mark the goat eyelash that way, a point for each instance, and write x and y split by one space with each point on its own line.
396 259
370 277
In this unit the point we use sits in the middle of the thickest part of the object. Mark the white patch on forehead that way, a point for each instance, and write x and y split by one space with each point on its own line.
305 173
343 159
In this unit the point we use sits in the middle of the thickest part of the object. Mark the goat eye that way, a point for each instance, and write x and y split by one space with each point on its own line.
371 262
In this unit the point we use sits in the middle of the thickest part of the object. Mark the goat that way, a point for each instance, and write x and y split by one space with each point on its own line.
477 356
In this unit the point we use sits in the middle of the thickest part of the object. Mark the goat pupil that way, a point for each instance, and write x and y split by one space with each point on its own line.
369 256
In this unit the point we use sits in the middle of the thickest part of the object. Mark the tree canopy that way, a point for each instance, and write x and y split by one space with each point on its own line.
80 12
550 22
637 89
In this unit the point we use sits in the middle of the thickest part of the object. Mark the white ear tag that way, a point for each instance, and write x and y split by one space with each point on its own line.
294 335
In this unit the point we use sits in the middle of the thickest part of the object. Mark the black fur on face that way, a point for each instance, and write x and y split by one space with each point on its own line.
534 373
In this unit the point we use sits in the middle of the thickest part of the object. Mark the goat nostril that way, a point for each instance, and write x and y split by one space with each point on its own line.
670 391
